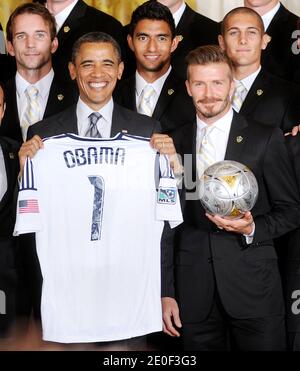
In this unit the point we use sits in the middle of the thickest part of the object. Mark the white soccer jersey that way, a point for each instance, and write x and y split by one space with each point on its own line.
98 218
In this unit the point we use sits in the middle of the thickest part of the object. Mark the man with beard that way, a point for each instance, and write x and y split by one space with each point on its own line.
223 273
155 90
35 92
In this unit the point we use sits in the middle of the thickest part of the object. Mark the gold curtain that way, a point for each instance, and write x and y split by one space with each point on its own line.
120 9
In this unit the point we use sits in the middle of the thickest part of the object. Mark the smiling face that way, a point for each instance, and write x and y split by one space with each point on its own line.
31 43
96 70
152 44
211 87
243 40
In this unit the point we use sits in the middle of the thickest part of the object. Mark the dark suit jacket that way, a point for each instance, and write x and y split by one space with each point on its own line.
278 57
206 258
122 120
291 255
83 19
8 244
10 150
7 67
272 101
61 96
173 108
194 30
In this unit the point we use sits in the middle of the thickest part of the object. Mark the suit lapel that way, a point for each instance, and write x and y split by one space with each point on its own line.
277 19
237 137
71 22
118 121
257 92
9 160
55 99
166 95
67 121
11 114
129 94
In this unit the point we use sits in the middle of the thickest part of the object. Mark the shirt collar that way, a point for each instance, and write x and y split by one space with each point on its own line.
61 17
267 18
42 85
178 14
83 110
157 85
249 80
223 124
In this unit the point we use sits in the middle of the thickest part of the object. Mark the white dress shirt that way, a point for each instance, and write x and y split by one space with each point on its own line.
267 18
178 14
219 139
3 177
43 87
61 17
104 123
249 80
157 85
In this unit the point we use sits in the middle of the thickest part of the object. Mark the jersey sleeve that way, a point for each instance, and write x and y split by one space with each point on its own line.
167 203
28 218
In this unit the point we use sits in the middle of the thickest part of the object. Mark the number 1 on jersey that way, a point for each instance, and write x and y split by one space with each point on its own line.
98 183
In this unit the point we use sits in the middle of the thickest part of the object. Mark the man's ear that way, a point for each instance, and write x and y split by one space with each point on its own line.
54 45
187 84
72 70
10 48
120 70
265 41
175 43
221 42
130 43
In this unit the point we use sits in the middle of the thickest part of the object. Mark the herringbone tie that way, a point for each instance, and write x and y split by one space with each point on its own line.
93 131
207 152
33 110
145 106
239 96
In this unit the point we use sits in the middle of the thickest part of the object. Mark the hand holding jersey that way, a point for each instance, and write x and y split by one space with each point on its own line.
98 218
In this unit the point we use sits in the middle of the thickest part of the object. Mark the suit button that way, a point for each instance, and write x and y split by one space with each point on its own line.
210 260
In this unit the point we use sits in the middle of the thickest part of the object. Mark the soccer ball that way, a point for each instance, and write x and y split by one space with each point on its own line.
228 188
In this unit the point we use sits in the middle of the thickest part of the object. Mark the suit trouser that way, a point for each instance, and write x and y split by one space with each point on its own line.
221 332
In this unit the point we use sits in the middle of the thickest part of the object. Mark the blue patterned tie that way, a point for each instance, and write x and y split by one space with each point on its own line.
93 131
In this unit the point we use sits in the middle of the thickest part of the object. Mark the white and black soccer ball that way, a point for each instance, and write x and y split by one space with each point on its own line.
228 188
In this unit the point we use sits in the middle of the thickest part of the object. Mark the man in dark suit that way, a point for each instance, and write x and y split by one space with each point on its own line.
264 97
226 275
75 18
96 65
280 24
9 169
192 30
291 262
31 40
152 39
